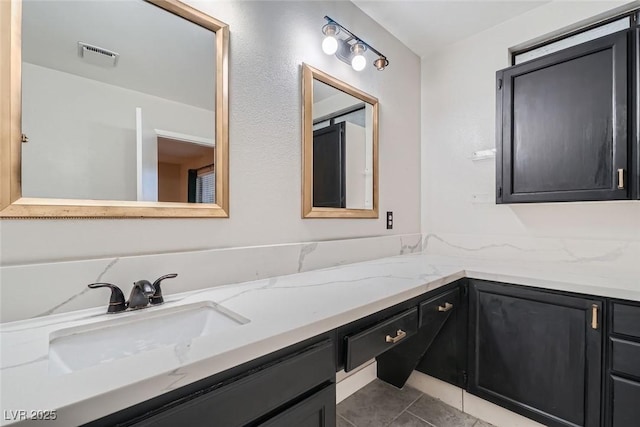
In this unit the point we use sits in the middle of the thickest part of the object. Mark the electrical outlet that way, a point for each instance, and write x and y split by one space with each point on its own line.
389 220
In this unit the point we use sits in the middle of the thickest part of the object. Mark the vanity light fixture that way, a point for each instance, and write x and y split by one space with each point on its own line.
350 50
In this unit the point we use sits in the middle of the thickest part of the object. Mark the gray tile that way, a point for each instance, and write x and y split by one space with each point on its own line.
440 414
481 423
407 420
376 404
341 422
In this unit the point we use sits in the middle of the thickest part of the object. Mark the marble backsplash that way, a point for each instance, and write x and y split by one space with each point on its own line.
33 290
616 257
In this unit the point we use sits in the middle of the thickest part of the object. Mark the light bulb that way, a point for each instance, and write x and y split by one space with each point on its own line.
329 45
358 62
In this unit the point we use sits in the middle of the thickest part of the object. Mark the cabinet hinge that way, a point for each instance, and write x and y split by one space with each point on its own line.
464 289
499 191
465 379
24 138
499 83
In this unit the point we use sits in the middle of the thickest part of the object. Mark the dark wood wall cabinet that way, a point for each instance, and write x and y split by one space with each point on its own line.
567 124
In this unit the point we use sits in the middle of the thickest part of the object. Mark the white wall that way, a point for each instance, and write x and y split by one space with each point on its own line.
269 41
458 118
82 141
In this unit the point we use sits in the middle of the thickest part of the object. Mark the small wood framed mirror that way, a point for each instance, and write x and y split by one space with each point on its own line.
113 109
340 148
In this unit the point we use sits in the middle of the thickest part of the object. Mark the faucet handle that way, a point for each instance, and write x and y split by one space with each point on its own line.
116 302
157 296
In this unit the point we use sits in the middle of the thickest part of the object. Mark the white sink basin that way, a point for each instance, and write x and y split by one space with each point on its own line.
80 347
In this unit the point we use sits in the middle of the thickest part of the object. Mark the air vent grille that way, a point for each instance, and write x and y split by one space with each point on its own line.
97 55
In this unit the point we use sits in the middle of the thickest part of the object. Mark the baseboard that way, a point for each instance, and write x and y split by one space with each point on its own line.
349 383
449 394
468 403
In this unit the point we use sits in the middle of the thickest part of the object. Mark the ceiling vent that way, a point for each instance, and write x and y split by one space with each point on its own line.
97 56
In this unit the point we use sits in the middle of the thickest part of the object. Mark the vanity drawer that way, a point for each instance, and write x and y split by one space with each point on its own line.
626 357
625 410
379 338
245 399
626 320
439 307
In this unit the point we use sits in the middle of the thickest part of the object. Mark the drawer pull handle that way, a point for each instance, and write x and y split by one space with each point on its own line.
399 335
446 307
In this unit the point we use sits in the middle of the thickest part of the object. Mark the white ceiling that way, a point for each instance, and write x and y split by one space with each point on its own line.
161 53
427 26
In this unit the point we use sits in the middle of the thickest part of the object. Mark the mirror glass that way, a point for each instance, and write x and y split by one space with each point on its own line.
118 103
342 149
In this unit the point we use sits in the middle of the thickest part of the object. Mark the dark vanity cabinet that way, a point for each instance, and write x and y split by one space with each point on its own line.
538 353
559 358
400 336
565 125
623 365
293 386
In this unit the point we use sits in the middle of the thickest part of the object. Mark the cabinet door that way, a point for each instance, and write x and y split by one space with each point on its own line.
319 410
563 126
536 353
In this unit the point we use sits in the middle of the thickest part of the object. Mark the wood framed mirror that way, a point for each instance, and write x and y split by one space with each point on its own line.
116 124
339 148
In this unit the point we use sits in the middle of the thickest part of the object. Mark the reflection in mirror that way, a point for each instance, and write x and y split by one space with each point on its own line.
94 93
340 149
113 109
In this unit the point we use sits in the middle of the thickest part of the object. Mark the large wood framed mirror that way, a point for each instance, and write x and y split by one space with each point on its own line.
340 148
113 109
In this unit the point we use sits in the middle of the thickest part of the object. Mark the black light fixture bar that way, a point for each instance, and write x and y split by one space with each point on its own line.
379 63
358 39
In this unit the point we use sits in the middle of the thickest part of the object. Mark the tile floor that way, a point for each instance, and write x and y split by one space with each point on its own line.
381 405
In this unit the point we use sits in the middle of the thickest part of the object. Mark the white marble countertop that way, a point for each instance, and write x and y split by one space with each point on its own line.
282 311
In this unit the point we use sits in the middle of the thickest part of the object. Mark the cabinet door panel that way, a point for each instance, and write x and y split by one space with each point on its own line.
626 402
319 410
535 353
565 127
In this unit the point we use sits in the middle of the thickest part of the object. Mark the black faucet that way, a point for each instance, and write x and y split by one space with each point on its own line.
142 294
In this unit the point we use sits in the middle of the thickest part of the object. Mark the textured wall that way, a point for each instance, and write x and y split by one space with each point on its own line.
458 118
269 41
